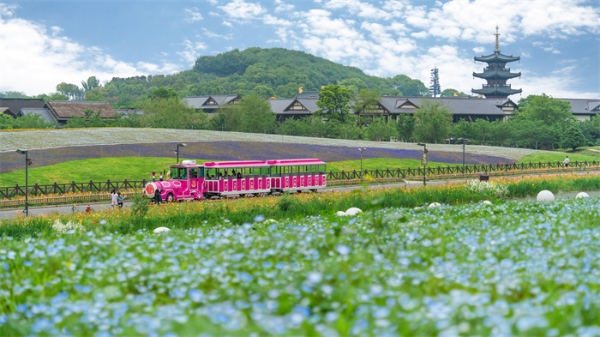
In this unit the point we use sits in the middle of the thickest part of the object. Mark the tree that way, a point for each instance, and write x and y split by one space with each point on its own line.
545 108
406 126
452 92
91 83
256 115
572 138
381 131
334 102
171 113
355 85
367 101
70 90
433 122
408 86
164 93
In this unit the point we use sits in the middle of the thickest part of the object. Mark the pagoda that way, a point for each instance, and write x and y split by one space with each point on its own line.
496 73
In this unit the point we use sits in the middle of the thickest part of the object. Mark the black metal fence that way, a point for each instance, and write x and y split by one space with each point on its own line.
98 187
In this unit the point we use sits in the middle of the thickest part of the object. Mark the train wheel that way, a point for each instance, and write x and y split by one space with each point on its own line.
170 197
242 195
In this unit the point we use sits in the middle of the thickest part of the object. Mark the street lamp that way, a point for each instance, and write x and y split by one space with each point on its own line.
177 151
361 149
424 160
27 163
463 141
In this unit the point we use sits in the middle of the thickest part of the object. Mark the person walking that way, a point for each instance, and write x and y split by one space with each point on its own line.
113 199
566 161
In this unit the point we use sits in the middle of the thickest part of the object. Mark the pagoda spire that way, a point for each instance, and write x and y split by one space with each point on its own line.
497 50
496 73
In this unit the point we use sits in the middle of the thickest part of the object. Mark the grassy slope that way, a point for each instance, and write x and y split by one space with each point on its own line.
557 157
138 168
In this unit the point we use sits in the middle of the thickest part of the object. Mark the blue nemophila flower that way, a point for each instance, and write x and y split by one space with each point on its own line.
259 218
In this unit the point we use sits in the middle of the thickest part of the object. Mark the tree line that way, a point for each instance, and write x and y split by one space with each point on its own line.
540 122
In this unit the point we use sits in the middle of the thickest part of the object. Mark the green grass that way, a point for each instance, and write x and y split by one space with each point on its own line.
138 168
378 163
100 169
556 157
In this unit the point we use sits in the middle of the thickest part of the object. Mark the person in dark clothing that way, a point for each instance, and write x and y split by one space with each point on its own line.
157 197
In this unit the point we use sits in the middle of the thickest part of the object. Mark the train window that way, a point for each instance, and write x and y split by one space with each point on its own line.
194 172
264 171
201 169
211 173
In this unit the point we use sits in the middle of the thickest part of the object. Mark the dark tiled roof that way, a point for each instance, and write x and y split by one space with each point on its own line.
70 109
6 111
497 56
15 104
583 106
458 105
198 102
281 106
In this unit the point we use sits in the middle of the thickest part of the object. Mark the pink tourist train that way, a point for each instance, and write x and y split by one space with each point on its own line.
191 181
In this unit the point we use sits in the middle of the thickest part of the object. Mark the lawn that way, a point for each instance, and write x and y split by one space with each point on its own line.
138 168
556 157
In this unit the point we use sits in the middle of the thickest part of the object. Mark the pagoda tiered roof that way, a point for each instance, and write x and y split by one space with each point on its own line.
496 92
497 74
497 57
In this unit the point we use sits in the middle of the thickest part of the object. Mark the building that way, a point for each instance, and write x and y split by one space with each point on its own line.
496 74
211 103
12 106
583 109
390 107
60 112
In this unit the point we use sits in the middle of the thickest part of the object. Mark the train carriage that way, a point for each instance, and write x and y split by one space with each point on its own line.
192 181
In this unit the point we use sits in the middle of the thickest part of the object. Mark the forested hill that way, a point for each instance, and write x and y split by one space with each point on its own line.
266 72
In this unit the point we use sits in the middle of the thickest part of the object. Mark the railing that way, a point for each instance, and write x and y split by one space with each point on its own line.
105 187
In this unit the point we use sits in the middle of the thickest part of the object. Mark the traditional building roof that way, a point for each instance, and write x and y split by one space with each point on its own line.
498 73
293 107
6 111
458 105
65 110
497 57
15 104
211 103
46 115
496 91
582 107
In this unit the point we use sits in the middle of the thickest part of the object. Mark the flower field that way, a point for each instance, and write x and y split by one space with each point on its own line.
47 147
511 268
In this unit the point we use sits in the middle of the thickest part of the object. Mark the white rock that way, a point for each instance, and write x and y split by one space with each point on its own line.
487 202
341 213
582 195
545 195
162 230
353 211
435 204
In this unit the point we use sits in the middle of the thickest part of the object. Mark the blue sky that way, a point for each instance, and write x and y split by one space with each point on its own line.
43 43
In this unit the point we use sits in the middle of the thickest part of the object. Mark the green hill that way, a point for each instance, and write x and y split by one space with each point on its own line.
266 72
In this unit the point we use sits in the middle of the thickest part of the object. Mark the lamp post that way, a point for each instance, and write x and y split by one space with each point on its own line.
27 163
177 151
424 160
463 141
361 149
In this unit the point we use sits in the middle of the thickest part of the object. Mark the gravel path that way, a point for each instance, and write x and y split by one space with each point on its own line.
44 139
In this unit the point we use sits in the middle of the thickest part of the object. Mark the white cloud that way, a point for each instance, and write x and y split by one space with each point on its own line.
283 7
239 9
361 9
192 14
478 50
40 59
7 10
208 33
191 51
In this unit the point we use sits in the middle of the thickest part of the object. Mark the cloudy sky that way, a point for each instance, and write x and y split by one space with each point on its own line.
43 43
